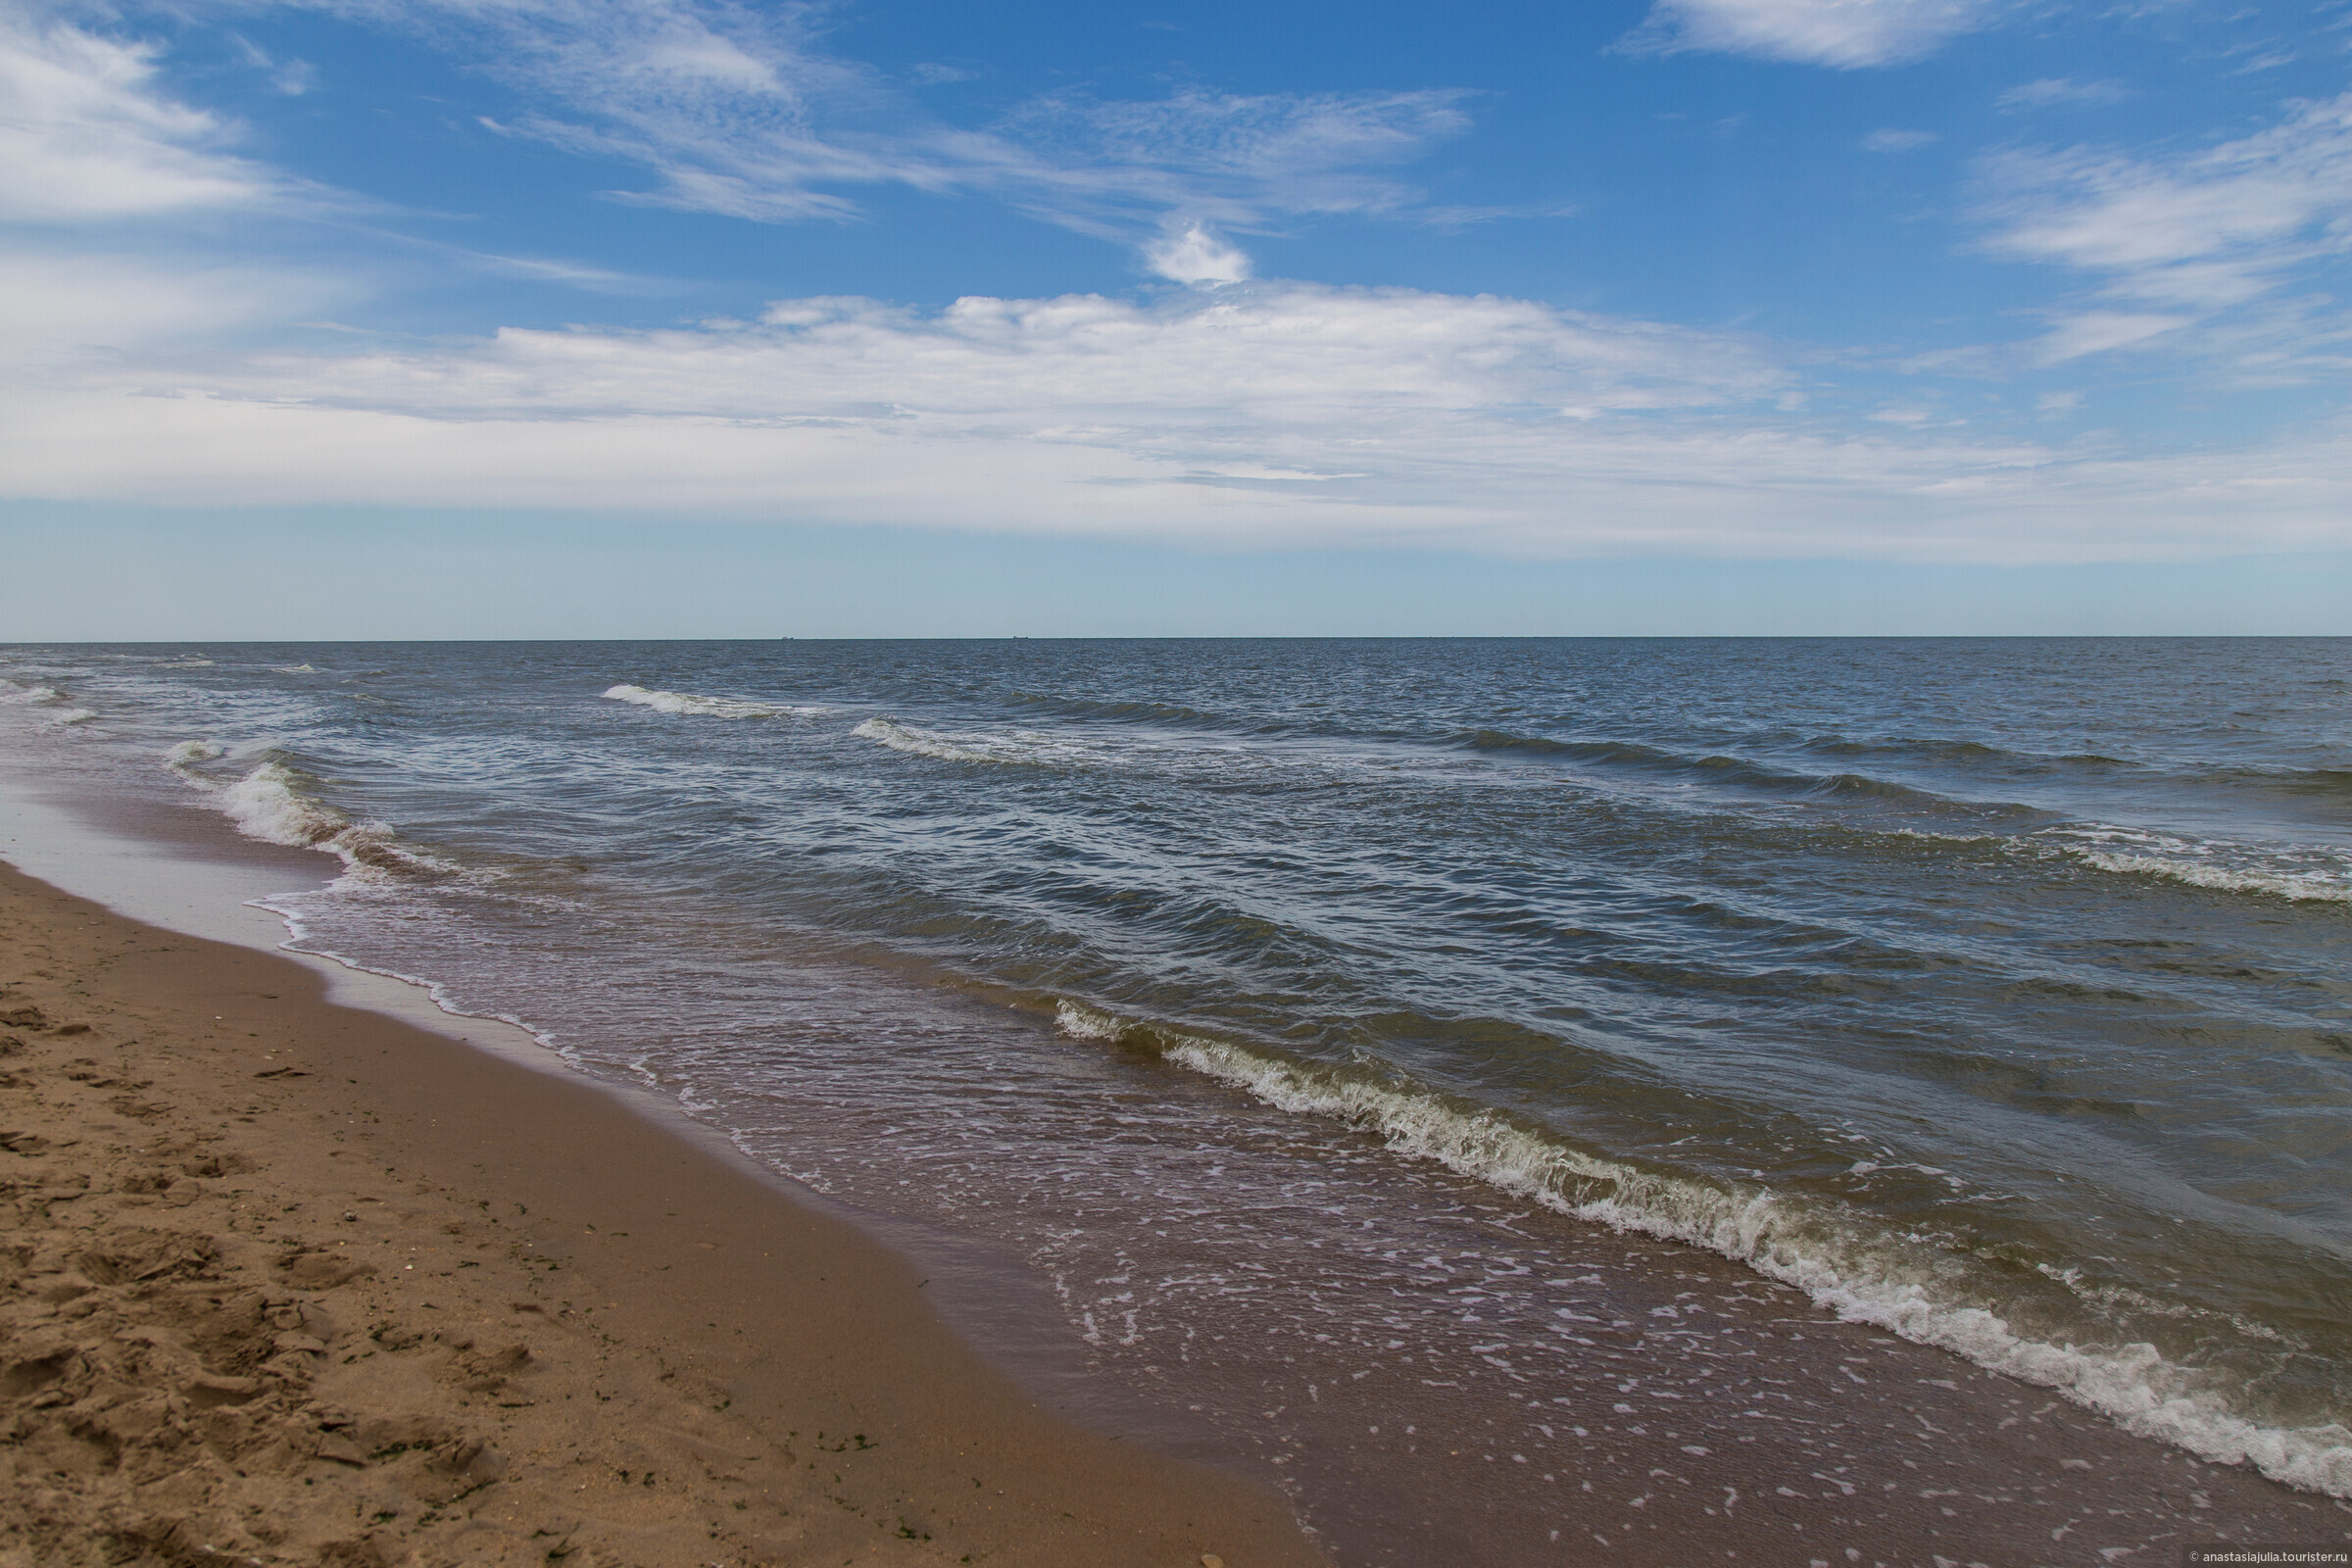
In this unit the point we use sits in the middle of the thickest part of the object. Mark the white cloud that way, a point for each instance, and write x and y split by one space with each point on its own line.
85 133
2211 227
68 308
1194 255
1250 358
2061 92
1897 141
1844 34
2099 331
2209 236
1259 414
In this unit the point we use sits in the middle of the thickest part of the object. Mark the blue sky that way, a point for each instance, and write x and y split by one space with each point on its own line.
1956 314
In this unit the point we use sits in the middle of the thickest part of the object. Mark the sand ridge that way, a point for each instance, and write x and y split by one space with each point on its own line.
282 1282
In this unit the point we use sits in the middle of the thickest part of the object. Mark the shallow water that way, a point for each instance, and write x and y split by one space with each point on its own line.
1295 1007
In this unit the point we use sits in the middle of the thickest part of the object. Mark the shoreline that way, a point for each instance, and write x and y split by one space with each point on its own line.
1931 1463
294 1282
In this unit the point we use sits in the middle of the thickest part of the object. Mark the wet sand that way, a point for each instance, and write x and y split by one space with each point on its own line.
285 1282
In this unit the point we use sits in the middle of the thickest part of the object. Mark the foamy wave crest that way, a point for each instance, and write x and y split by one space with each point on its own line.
1843 1262
273 804
270 804
920 742
44 697
2300 887
707 707
1019 749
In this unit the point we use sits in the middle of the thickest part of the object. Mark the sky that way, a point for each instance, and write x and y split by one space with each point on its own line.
484 318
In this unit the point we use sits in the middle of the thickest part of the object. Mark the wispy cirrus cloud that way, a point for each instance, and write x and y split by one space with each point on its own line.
1196 163
2208 227
88 134
2061 92
2212 237
743 110
1846 34
1267 151
2088 332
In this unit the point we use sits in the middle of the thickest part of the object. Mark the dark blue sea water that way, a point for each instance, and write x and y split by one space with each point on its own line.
1994 995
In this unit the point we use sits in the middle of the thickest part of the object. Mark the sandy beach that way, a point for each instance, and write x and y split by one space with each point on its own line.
290 1283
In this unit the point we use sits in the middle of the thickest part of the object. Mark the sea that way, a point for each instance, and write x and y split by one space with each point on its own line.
1775 1101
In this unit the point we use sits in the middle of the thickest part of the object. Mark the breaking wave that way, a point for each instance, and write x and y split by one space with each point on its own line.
706 707
274 803
1843 1263
19 696
2306 877
2302 887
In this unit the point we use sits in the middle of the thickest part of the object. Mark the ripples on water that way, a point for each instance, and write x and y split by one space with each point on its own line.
1994 993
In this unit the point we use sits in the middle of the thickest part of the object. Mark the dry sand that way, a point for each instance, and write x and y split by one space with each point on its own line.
288 1283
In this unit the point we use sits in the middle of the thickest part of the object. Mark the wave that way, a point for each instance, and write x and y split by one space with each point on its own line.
2308 876
1718 771
1861 786
1933 751
1967 754
273 804
2299 887
662 701
1845 1263
17 696
921 742
294 669
1019 749
1127 712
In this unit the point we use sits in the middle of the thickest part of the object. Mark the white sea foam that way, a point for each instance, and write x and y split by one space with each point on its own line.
2302 875
921 742
1846 1266
706 707
271 803
294 669
1015 747
2302 887
19 696
265 806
